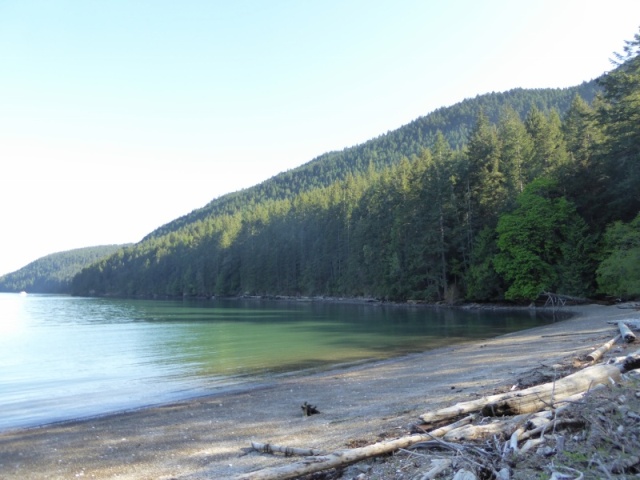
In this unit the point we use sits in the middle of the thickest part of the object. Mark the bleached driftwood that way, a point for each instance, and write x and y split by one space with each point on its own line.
347 457
531 399
626 332
498 428
631 361
463 474
599 352
288 451
520 427
633 323
438 465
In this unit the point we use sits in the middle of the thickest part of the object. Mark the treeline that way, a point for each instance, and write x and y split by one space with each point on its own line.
53 273
529 200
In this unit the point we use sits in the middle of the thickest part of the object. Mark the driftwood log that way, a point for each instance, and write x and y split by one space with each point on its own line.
626 332
531 399
347 457
631 361
599 352
633 323
288 451
516 428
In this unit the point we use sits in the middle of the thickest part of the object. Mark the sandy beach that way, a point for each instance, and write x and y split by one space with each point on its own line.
209 438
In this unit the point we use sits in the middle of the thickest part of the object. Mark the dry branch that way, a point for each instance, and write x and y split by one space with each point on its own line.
570 334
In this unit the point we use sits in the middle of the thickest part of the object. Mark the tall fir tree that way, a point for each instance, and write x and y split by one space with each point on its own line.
619 117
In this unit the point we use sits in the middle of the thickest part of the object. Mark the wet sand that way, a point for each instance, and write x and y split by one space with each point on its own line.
209 438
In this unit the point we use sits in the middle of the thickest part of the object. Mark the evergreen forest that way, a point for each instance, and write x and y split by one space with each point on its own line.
498 198
53 273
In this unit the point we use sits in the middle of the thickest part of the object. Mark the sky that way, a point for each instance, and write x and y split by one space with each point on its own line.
119 116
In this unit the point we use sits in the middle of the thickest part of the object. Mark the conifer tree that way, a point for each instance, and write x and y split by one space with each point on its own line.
619 116
516 152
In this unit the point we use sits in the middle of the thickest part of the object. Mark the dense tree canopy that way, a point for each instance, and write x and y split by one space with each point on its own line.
619 272
541 243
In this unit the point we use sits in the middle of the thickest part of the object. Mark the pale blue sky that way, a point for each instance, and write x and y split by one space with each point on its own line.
117 116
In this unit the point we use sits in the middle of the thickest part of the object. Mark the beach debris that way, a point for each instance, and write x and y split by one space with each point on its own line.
438 465
309 409
626 332
597 353
288 451
531 399
346 457
464 474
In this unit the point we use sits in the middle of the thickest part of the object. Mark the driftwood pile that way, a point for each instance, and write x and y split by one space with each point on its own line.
510 424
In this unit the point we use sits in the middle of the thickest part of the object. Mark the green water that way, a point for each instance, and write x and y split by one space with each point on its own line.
64 357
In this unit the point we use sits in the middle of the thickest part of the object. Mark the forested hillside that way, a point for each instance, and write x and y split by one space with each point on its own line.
455 123
53 273
503 196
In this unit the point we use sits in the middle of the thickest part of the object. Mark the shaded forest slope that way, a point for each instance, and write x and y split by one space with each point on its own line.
53 273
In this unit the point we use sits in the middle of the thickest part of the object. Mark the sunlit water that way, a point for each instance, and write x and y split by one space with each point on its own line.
63 357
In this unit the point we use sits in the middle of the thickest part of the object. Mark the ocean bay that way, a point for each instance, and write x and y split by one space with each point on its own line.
63 358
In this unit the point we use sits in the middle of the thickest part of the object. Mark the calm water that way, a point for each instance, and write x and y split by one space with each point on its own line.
63 357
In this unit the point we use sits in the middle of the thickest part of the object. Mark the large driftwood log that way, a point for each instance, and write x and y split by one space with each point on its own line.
347 457
531 399
599 352
520 427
